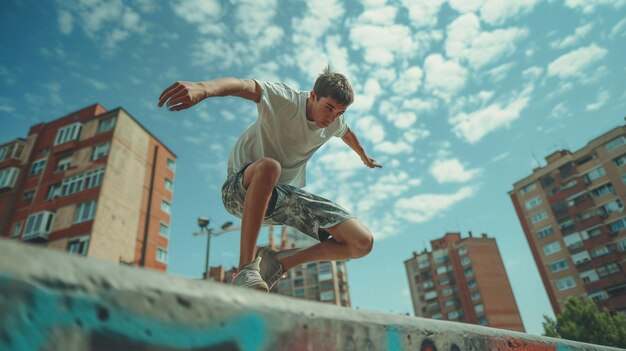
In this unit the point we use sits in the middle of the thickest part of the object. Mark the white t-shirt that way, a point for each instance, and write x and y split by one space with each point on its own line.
283 133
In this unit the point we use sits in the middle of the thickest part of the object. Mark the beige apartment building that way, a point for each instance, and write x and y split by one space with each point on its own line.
93 183
463 280
572 214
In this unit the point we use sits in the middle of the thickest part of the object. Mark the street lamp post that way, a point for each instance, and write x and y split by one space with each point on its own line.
203 223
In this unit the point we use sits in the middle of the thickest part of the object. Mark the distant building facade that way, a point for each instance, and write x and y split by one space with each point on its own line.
94 183
325 281
572 213
463 280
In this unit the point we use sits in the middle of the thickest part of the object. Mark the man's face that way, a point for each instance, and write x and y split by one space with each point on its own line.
325 110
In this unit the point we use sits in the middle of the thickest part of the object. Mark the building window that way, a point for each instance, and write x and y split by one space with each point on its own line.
453 315
63 164
442 270
539 217
465 261
565 284
450 303
468 272
169 185
573 241
599 296
171 164
621 246
551 248
558 266
299 292
608 269
78 246
94 178
3 152
8 177
161 255
68 133
462 250
38 167
544 232
327 296
479 308
471 284
444 281
603 190
437 316
423 263
589 276
615 143
613 207
38 224
600 251
166 207
620 161
17 229
528 188
85 211
618 225
475 296
164 229
532 203
106 125
482 321
623 177
100 151
595 174
581 257
72 184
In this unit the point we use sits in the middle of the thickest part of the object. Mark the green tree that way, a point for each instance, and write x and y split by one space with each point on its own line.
582 321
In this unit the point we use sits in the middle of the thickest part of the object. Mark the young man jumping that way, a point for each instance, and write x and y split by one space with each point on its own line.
267 169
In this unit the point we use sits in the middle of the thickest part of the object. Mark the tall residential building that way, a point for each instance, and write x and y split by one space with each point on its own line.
94 183
572 214
463 280
325 281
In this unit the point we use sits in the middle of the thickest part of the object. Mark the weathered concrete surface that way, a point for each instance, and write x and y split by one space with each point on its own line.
53 301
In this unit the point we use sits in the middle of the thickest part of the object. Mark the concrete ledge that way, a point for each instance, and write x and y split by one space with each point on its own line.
53 301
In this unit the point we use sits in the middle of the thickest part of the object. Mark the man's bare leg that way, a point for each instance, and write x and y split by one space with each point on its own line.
350 239
259 179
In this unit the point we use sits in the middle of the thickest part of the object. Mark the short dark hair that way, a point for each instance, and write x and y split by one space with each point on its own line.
335 85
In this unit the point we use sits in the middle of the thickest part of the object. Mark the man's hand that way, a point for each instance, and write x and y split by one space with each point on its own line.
183 95
370 162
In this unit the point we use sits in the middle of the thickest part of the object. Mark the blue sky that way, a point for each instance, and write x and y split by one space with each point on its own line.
458 100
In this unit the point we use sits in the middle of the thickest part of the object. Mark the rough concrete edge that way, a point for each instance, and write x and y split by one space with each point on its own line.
94 276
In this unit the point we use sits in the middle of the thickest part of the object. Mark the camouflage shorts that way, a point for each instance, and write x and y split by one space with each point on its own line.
290 206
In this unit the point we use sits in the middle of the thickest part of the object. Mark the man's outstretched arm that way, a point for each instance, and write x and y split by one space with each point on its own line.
352 141
183 95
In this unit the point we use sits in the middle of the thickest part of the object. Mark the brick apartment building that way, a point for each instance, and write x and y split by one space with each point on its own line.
572 214
463 280
94 183
325 281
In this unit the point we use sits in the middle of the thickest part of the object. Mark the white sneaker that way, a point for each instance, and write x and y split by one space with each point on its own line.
249 277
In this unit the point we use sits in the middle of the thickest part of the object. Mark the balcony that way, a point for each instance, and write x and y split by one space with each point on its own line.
36 237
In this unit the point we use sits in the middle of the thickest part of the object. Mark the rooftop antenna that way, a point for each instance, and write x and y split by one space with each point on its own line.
535 158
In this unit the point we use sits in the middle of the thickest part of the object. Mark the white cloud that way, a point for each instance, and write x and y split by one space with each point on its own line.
378 15
500 157
371 129
466 42
560 111
571 40
364 100
589 6
345 162
423 13
451 171
619 30
422 208
474 126
388 147
414 134
576 63
444 78
66 22
382 43
204 15
409 81
464 6
601 100
496 12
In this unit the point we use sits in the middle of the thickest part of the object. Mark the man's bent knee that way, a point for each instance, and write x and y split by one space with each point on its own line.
362 246
266 170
